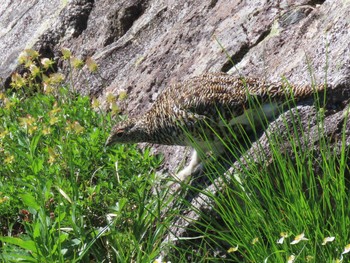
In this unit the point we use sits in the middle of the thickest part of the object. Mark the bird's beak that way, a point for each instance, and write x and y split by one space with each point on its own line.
109 141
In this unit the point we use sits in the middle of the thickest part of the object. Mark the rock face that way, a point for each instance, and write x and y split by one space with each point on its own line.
22 23
143 45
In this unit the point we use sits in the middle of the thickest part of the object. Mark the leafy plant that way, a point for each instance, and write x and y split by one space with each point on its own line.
285 211
62 197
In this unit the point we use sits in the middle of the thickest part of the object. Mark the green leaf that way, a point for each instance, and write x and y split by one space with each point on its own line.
36 232
25 244
30 201
62 237
37 165
64 194
13 257
34 143
61 216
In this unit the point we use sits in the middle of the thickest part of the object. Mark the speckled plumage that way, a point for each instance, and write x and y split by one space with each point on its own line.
196 107
192 104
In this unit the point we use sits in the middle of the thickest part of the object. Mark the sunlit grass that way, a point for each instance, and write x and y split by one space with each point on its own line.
62 196
287 211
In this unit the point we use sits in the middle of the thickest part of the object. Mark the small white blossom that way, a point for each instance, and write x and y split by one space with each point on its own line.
327 239
291 259
346 249
160 260
298 238
283 236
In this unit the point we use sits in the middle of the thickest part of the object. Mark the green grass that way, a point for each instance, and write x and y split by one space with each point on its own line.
64 197
285 199
58 187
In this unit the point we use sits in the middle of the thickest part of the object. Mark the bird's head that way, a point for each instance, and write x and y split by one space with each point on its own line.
128 131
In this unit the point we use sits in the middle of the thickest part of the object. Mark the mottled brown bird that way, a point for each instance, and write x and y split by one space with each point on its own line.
199 111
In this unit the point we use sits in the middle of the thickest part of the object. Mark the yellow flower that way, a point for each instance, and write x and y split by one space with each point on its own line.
8 103
32 54
32 129
53 120
77 127
115 109
56 78
122 95
158 260
76 63
95 103
46 63
327 239
48 89
91 64
52 155
54 111
17 81
9 159
26 121
2 96
255 240
69 127
3 134
4 199
23 57
34 69
310 258
66 54
232 249
74 127
298 238
110 98
46 130
27 56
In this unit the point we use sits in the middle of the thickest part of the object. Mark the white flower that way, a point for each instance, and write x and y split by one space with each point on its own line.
283 236
298 238
280 241
291 259
346 249
327 239
158 260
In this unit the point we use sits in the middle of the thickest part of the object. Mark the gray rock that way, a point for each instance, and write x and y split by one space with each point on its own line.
22 23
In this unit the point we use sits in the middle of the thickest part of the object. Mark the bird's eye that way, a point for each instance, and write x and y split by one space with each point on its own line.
120 132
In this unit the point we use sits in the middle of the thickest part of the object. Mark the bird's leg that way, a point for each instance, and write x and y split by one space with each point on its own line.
189 169
199 153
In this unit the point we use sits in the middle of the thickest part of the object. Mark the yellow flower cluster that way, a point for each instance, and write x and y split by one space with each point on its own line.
74 127
28 123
